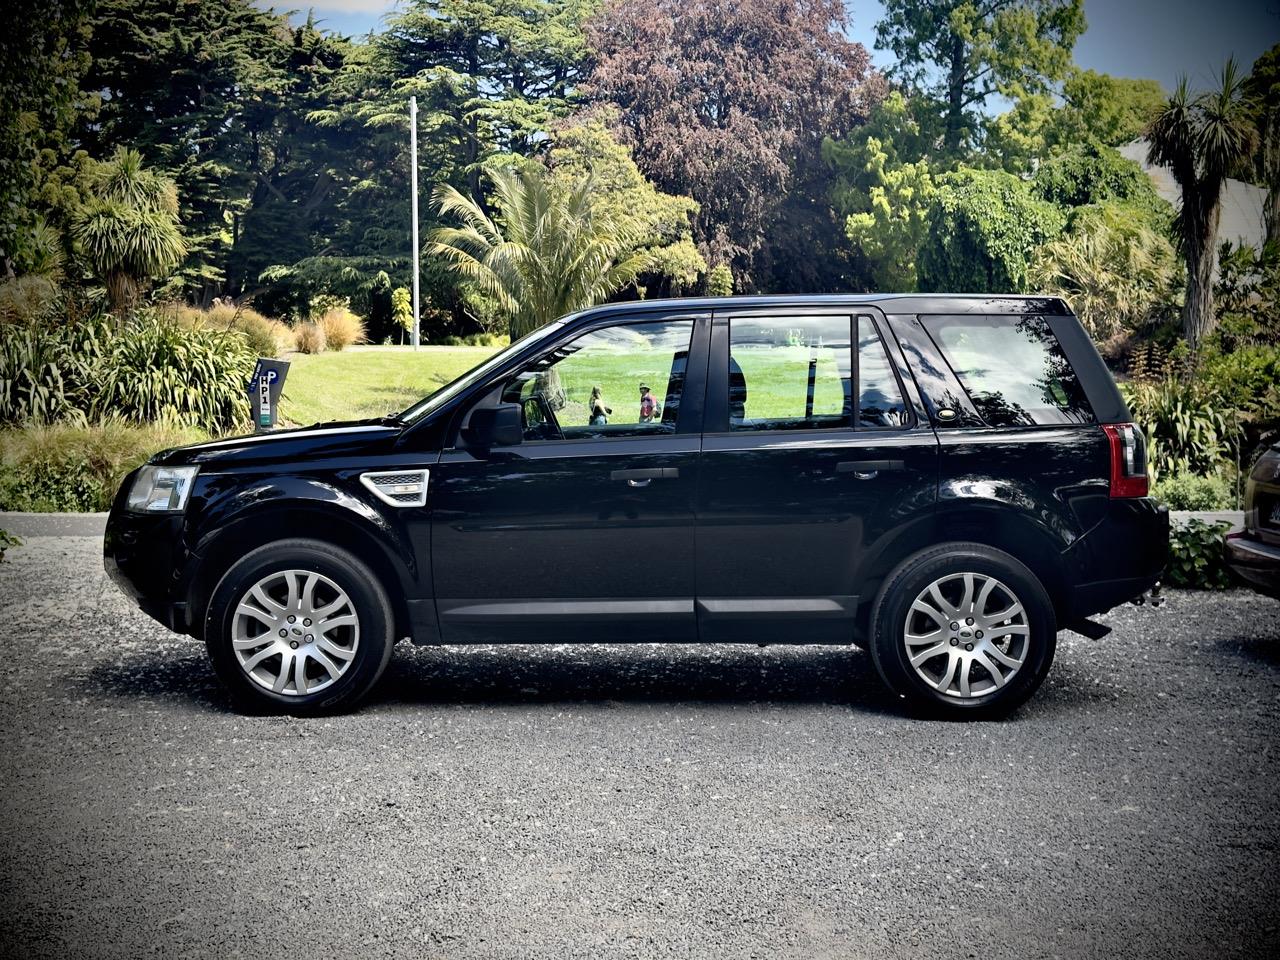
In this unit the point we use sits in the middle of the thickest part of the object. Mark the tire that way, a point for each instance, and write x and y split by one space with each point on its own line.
1013 635
257 649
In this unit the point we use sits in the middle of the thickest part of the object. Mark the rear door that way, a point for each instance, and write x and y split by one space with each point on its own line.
813 457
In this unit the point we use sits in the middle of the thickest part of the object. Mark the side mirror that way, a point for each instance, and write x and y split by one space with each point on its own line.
497 426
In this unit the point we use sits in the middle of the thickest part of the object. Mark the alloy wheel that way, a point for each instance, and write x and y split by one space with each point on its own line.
966 635
295 632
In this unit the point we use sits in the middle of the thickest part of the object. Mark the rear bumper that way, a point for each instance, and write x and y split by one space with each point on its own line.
1123 556
1255 562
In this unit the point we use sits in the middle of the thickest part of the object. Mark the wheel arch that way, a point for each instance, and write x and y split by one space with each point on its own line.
989 525
323 521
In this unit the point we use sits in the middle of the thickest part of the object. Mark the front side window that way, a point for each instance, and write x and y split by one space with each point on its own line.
1013 369
624 380
796 373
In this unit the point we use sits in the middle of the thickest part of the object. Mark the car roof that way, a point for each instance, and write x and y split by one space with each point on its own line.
890 303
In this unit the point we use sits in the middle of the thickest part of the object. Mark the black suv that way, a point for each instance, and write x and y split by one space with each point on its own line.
947 481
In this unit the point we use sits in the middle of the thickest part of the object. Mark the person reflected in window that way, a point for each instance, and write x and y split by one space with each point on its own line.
599 410
649 407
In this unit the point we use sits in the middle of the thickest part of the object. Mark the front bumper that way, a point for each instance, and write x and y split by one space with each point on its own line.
1255 562
145 556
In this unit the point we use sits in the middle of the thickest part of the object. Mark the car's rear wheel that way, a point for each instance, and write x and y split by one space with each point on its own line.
299 626
963 631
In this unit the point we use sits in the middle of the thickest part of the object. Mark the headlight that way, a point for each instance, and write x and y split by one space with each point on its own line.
162 489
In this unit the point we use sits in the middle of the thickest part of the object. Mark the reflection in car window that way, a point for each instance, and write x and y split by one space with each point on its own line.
879 398
624 380
1013 369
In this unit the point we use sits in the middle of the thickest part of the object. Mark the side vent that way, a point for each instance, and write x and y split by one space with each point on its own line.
404 488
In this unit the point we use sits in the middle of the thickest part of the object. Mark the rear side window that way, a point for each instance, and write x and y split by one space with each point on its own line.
1013 369
798 373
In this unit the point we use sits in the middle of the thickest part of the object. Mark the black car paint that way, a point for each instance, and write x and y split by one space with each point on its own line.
737 537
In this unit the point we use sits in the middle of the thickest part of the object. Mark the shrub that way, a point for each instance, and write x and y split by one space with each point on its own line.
477 340
984 227
1187 491
47 373
27 299
77 468
1197 557
1186 430
341 328
1117 271
155 370
7 540
308 337
265 337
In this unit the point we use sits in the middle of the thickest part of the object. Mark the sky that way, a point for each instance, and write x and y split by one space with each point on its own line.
1155 39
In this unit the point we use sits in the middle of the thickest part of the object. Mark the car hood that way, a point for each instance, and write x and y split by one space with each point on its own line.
316 442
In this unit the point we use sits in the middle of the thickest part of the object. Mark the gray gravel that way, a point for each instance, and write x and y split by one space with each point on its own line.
642 801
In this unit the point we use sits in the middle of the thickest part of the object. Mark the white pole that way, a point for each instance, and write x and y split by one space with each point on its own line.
413 162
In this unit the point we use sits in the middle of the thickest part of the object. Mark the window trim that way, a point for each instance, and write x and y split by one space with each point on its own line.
716 408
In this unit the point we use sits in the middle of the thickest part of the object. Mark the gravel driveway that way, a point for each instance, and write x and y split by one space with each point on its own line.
642 801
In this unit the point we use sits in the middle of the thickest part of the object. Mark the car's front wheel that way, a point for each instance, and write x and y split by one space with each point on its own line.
963 631
299 626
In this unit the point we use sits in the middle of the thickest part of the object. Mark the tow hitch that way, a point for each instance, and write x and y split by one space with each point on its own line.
1152 596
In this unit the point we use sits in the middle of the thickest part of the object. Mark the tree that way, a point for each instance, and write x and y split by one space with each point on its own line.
402 310
548 251
984 228
587 150
724 102
1090 173
1201 139
890 231
500 72
959 53
178 82
1262 90
41 61
128 231
1091 108
1117 271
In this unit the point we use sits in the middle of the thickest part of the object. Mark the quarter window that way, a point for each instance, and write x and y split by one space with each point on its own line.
624 380
1013 369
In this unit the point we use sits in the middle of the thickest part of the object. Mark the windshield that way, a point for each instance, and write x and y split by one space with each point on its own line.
450 390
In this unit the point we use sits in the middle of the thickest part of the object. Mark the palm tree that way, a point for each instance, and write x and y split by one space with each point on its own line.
128 230
1201 140
547 251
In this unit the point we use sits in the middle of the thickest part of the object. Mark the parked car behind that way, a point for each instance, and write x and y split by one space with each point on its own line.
1254 552
948 481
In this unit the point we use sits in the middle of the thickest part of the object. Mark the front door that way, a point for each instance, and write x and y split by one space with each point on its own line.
811 459
585 530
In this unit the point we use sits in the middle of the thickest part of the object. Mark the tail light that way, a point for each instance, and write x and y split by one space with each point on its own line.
1128 460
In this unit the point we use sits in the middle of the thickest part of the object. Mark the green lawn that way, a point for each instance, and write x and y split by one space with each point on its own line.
371 382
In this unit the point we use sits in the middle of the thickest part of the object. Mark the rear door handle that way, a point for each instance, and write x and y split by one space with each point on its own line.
868 469
642 478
